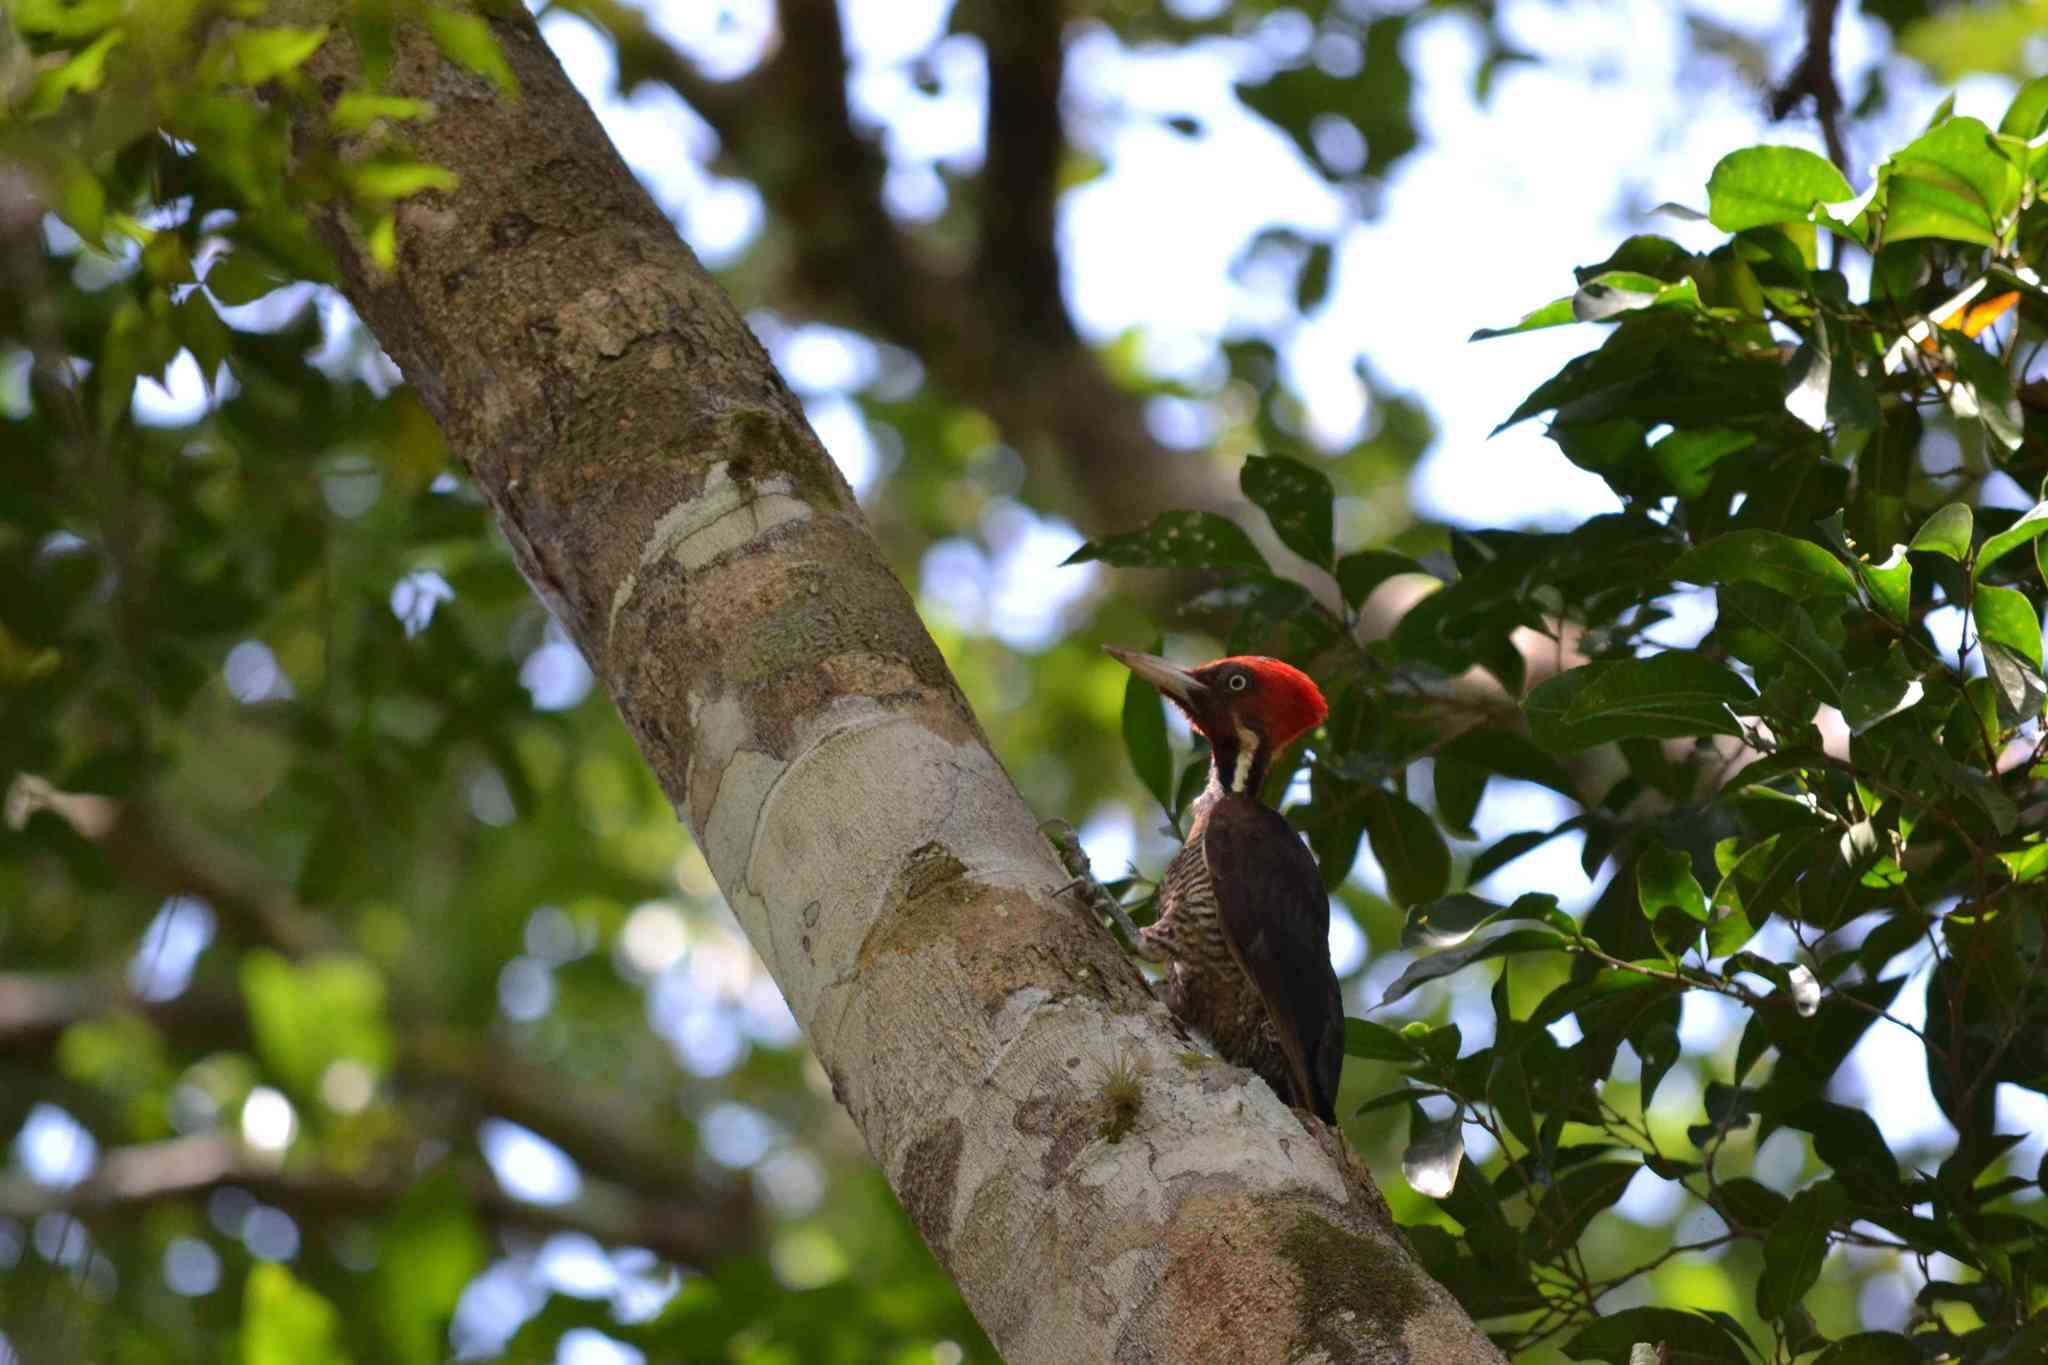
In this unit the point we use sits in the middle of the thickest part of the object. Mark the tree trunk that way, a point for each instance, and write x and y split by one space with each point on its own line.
662 492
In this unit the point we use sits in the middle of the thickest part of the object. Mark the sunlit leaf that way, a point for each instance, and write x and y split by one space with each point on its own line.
1664 881
1426 969
1556 313
358 109
1666 696
306 1017
284 1322
1759 186
383 181
1430 1163
1376 1042
1949 183
2030 527
1982 391
81 73
1947 532
264 54
1795 566
1177 540
430 1250
1449 920
467 40
1298 500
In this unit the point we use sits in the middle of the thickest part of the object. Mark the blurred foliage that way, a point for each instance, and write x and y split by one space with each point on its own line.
1832 794
322 861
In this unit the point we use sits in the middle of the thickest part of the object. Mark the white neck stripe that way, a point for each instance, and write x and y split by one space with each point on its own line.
1247 754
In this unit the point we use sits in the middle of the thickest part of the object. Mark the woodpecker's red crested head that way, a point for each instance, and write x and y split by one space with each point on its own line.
1248 703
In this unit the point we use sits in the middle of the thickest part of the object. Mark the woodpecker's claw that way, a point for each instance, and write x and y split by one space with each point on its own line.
1094 895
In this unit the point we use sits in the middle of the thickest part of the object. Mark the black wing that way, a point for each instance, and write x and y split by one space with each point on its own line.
1276 918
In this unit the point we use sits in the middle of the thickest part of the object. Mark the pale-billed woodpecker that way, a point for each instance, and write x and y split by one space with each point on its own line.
1244 922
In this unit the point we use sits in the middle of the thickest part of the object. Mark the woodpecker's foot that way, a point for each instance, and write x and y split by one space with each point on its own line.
1092 894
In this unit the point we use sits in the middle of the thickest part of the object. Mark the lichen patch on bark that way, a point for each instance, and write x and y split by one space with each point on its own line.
1219 1295
923 904
1346 1283
927 1182
723 516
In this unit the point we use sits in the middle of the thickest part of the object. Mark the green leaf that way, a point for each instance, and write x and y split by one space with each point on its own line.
1871 1348
1145 738
2026 864
1874 694
1625 291
1434 1152
1801 569
81 74
1982 391
1796 983
1449 920
1556 313
1969 39
1848 1140
1687 458
381 182
1459 787
264 54
1686 1338
1177 540
2027 115
1507 849
82 204
1300 503
1770 632
1759 186
1889 584
1947 532
2009 633
1312 285
1359 574
2007 616
1408 846
1376 1042
199 327
306 1017
67 18
241 277
1573 1200
2030 527
1949 183
1756 886
1673 695
466 39
1797 1245
287 1323
1664 881
430 1248
358 109
1509 754
1823 386
1427 969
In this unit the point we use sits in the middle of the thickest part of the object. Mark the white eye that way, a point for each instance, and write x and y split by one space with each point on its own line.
1238 682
